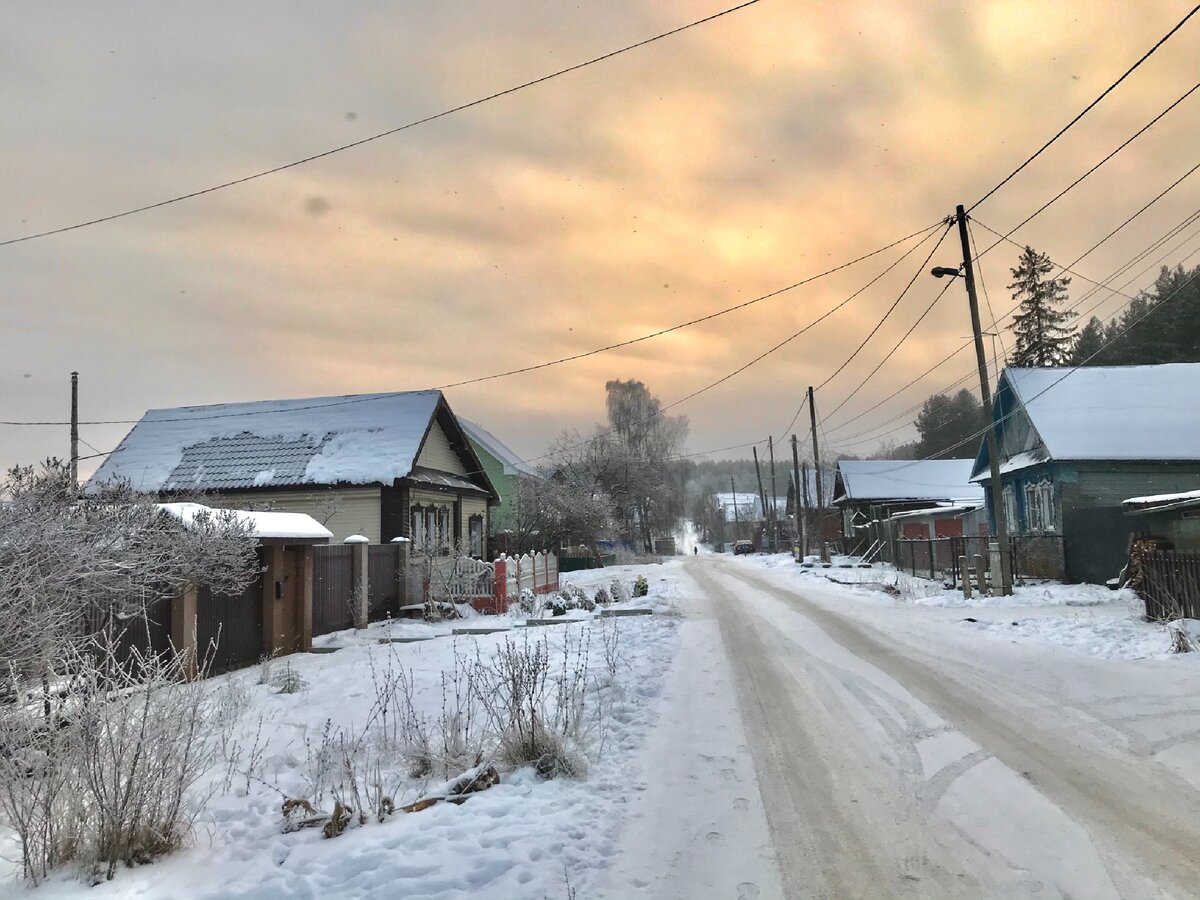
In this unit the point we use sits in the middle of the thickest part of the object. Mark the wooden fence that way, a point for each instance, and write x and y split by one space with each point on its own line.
1170 584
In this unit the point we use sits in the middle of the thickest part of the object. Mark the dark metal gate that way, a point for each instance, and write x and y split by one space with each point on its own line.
333 584
383 581
229 628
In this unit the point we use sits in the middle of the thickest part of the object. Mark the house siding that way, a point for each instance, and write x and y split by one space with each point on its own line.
505 485
438 454
356 510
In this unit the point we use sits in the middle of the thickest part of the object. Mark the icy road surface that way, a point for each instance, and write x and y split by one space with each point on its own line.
897 754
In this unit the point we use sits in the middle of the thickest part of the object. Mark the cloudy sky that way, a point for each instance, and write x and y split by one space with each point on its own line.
698 172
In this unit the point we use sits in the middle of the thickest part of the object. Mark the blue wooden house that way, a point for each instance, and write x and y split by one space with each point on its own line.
1074 444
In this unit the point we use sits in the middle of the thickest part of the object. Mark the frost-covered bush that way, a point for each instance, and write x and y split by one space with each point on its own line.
289 681
619 592
641 587
602 598
102 775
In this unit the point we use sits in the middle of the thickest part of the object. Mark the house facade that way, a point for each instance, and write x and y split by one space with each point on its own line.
1073 445
382 466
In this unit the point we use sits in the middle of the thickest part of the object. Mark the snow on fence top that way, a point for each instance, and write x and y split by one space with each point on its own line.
1113 412
892 479
356 439
261 523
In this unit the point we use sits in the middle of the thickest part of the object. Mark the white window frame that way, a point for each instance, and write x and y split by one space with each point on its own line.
1033 507
1009 495
1045 491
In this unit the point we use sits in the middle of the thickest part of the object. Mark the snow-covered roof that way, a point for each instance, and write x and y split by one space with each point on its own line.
898 479
954 510
261 523
513 464
749 506
1158 502
1113 412
355 439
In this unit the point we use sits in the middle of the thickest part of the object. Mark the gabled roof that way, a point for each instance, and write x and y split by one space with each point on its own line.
1102 413
352 439
513 464
898 479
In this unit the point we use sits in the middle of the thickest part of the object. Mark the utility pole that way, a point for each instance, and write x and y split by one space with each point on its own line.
796 495
74 428
774 511
812 415
985 394
808 524
762 495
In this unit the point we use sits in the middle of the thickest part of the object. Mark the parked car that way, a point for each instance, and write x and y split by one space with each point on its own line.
740 548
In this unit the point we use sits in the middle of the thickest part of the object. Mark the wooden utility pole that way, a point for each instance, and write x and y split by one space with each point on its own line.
808 523
774 511
74 428
985 394
812 415
762 495
796 495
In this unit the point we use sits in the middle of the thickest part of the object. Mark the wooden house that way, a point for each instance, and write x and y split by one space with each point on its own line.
503 467
1074 444
378 465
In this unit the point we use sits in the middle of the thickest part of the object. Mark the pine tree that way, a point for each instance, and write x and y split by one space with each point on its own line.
1089 343
1043 336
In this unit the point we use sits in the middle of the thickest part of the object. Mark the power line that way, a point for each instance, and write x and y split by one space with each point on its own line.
1041 209
907 334
874 431
1108 90
925 232
1062 268
1068 372
895 303
383 134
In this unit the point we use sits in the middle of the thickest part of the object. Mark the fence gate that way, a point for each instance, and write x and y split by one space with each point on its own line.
1170 584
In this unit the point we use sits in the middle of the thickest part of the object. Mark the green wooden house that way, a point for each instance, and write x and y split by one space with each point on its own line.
1074 444
503 467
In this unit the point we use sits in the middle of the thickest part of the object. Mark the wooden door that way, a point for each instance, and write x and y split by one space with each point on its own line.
283 601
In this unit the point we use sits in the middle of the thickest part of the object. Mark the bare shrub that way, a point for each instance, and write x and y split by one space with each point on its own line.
289 681
108 778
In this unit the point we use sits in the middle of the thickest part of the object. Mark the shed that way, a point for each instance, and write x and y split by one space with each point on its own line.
273 615
871 491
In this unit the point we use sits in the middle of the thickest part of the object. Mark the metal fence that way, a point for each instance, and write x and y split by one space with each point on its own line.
383 581
333 585
230 626
1033 556
1170 584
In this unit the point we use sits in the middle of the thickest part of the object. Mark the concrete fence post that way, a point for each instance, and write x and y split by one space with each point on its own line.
183 628
360 603
403 547
966 577
981 575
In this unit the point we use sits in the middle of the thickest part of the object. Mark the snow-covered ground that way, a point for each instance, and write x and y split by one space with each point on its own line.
526 837
771 733
1083 618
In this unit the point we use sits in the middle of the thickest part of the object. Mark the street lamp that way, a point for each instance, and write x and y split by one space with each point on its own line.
968 276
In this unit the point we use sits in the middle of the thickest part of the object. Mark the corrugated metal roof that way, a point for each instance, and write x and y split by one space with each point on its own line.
897 479
244 460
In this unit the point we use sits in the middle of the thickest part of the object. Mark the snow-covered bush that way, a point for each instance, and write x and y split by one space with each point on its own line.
602 598
74 564
289 681
618 591
641 587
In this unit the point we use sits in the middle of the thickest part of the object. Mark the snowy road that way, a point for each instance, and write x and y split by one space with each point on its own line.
898 755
